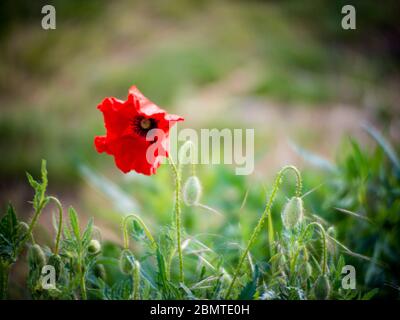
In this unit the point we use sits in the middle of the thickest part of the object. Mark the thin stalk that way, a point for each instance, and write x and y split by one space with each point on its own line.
4 274
200 205
60 224
299 183
136 281
271 239
29 234
34 221
143 225
305 252
178 216
324 249
82 280
267 211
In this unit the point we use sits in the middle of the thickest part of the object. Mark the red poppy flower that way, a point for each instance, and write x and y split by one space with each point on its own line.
129 125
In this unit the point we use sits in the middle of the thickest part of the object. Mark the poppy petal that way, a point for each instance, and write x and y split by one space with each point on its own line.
125 138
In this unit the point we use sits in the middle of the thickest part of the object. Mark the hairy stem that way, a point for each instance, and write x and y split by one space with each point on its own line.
178 216
142 224
33 222
82 280
299 183
271 239
60 223
257 229
136 281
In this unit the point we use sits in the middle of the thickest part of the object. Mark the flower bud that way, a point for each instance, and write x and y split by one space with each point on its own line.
36 256
293 213
126 262
322 288
94 247
23 229
192 191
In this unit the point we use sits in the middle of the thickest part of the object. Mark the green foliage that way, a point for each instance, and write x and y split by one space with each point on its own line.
14 234
10 237
362 200
368 187
75 262
39 200
250 289
303 261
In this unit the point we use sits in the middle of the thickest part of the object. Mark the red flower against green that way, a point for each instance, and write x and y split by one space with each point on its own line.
129 125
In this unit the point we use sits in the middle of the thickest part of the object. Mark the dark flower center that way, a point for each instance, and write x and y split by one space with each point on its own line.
142 125
145 123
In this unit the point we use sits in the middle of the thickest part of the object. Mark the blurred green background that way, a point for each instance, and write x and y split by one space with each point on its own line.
285 68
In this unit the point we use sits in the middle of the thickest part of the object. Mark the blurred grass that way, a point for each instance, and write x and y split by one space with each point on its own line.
51 81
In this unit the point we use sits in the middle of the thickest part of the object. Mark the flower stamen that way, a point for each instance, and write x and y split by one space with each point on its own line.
142 125
145 123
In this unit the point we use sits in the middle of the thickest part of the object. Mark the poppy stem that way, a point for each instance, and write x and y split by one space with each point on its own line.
136 281
142 224
178 216
82 276
261 222
60 223
33 222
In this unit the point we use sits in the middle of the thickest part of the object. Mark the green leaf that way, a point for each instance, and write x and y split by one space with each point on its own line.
313 158
189 294
12 221
87 234
167 288
217 288
9 235
44 174
162 273
250 289
39 199
136 231
370 294
385 145
34 184
73 218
